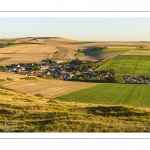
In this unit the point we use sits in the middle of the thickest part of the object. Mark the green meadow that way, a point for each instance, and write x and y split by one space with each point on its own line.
112 94
129 65
112 49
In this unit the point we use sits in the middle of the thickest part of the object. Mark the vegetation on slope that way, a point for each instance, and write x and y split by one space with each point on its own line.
22 113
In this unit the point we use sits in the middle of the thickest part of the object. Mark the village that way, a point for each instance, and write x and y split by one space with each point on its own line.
75 70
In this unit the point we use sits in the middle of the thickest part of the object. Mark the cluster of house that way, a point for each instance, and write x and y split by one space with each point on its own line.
137 79
67 72
43 70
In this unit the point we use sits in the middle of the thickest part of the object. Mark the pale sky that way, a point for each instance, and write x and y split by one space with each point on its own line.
86 29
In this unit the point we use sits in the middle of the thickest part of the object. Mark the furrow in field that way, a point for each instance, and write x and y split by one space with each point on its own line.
129 95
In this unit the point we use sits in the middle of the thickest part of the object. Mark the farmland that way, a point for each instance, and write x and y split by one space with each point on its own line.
7 40
65 53
112 49
48 88
129 65
25 53
54 105
112 94
11 75
138 52
37 114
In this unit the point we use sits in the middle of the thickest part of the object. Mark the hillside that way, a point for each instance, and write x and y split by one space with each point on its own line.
22 113
15 50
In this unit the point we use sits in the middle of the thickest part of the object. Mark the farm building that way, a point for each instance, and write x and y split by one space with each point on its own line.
59 61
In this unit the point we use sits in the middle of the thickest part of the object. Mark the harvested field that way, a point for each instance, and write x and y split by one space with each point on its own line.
65 53
137 52
58 41
11 75
26 53
24 58
29 48
3 59
48 88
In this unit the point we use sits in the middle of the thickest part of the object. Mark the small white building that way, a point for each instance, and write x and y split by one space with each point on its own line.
59 61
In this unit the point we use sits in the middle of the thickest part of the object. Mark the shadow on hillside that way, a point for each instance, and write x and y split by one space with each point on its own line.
116 111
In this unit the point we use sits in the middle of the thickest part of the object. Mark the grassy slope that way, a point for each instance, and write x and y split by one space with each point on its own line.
33 114
112 50
129 65
114 94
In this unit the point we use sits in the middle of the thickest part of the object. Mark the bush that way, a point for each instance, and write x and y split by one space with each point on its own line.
39 95
2 80
30 78
9 79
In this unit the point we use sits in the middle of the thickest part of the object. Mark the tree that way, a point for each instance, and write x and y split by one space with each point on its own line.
115 79
49 61
3 68
76 62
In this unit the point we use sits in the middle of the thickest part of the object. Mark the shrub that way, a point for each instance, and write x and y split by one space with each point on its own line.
30 78
2 80
39 95
9 79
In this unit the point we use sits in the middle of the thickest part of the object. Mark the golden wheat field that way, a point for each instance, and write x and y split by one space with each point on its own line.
48 88
26 53
8 59
11 75
65 53
58 41
29 48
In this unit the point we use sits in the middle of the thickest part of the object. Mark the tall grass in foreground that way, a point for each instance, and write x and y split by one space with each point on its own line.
22 113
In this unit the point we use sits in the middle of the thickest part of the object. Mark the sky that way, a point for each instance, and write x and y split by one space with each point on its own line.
84 29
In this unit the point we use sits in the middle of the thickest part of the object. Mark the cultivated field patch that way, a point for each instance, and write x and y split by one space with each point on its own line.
28 53
65 53
23 58
137 52
129 65
48 88
29 48
11 75
58 41
112 49
116 94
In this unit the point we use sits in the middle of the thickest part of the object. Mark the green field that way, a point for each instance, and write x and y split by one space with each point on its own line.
116 94
8 40
112 50
129 65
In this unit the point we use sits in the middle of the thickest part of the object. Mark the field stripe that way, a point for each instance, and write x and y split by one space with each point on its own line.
129 95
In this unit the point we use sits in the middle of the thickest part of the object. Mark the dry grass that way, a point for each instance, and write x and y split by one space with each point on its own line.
23 58
58 41
11 75
48 88
26 53
31 48
65 53
29 40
